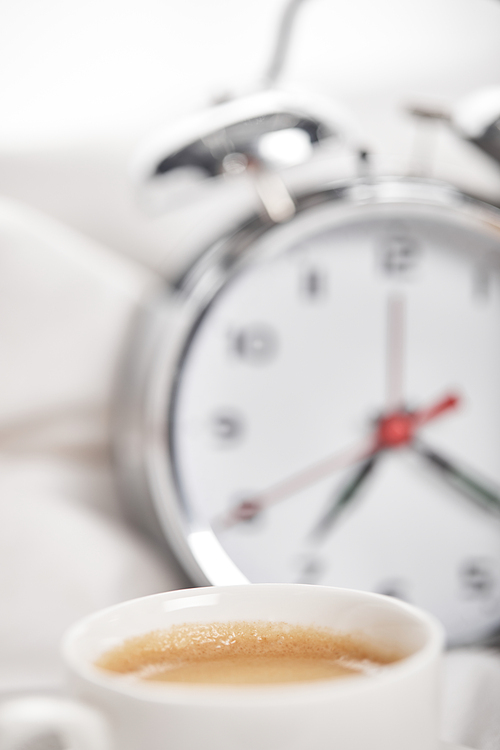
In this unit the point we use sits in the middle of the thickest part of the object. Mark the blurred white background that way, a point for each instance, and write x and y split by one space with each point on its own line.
82 83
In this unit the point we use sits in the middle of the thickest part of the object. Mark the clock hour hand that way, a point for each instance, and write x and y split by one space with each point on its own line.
394 430
477 490
345 496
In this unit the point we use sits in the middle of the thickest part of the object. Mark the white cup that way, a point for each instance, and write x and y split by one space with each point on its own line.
394 709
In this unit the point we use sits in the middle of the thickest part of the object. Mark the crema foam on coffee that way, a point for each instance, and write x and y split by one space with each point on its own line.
244 653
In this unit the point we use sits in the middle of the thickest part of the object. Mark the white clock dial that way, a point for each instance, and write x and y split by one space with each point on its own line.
336 417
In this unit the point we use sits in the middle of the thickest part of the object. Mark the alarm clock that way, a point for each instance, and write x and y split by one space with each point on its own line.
315 398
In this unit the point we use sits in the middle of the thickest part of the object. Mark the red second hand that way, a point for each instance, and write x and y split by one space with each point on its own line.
399 428
396 429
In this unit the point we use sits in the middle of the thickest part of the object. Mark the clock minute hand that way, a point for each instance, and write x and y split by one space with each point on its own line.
476 490
395 351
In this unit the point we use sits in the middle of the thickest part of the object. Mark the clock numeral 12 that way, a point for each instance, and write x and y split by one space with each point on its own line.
398 254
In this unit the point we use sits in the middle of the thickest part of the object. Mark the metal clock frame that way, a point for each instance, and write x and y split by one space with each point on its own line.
143 448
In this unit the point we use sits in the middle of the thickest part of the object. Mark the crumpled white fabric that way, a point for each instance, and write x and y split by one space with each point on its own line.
65 550
471 698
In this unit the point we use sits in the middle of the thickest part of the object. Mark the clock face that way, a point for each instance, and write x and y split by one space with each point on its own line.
336 417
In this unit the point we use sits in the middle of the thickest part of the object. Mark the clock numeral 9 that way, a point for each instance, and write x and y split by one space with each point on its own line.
398 255
477 578
226 426
256 344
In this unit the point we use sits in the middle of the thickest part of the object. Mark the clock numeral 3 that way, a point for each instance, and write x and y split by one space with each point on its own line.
256 344
481 280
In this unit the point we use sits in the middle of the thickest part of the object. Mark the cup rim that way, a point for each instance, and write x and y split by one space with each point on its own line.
190 694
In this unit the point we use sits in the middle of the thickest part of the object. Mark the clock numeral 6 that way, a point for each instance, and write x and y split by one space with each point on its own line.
398 254
256 344
396 587
477 578
311 568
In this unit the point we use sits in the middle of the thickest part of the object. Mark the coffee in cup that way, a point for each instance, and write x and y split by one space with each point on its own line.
392 706
245 653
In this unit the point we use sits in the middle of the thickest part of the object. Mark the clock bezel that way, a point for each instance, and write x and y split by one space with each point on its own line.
143 447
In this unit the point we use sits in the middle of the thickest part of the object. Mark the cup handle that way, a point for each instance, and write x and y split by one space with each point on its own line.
52 723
